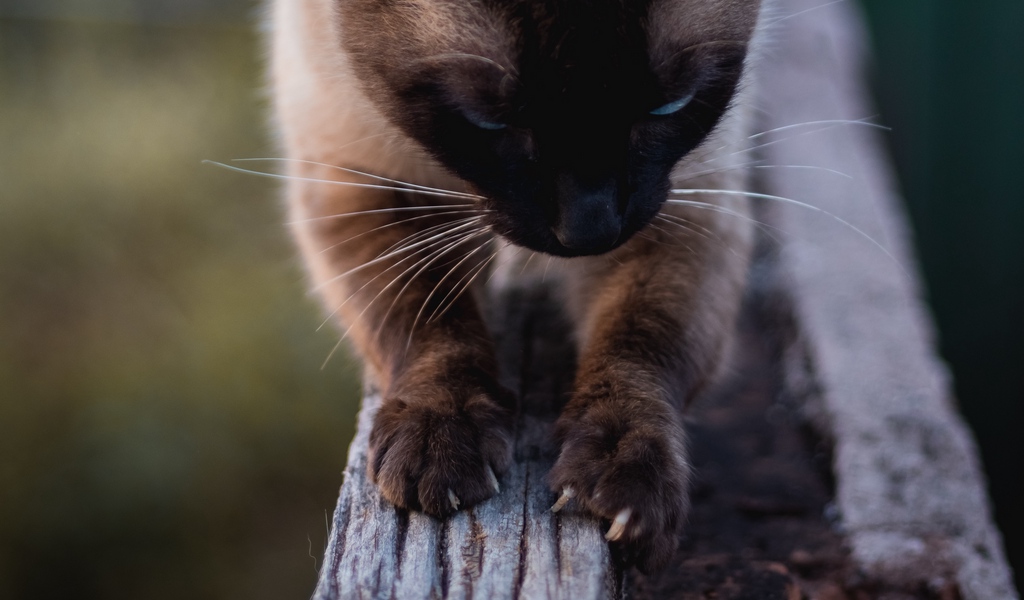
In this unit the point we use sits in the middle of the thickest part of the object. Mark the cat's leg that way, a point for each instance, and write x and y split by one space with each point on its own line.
393 278
656 316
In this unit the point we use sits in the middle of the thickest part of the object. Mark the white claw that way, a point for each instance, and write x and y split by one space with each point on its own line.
494 480
567 494
618 525
453 499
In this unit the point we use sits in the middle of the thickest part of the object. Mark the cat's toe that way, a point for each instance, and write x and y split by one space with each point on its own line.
439 457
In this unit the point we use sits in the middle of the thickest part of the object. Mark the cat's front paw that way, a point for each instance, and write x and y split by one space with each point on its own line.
432 452
626 463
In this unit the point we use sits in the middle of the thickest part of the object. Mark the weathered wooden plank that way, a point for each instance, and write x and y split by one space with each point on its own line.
908 481
510 546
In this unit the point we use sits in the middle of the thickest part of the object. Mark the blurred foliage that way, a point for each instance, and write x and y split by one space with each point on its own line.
165 428
133 11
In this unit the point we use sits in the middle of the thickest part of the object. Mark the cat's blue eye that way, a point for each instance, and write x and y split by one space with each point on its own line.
673 107
489 125
484 123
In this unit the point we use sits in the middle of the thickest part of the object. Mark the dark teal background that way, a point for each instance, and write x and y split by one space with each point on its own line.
949 78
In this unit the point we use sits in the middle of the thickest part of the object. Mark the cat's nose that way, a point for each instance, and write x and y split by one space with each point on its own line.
588 220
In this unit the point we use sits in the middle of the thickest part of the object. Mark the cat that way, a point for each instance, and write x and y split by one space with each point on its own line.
424 136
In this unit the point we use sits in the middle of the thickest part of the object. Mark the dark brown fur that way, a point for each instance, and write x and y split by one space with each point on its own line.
653 314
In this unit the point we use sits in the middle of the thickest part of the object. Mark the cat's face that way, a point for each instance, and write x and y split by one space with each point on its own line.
568 115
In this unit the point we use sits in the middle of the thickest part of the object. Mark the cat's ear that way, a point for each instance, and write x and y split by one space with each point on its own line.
676 27
391 41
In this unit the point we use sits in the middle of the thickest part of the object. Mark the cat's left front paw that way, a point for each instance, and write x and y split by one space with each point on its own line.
625 462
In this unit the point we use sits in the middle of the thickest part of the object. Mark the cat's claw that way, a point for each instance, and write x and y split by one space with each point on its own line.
567 494
494 480
618 525
453 499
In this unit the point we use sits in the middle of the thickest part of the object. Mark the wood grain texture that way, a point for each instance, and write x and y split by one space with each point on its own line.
510 546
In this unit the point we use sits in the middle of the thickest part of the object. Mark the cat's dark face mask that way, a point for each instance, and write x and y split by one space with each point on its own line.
572 138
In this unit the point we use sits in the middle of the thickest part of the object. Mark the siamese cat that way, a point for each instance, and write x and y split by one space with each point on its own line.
598 140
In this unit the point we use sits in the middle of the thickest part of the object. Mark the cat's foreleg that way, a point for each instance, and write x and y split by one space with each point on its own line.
391 267
653 328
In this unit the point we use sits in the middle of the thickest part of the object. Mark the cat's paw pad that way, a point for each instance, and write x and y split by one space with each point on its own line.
632 477
438 457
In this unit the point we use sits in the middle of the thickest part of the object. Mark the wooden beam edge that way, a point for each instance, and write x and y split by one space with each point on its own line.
909 482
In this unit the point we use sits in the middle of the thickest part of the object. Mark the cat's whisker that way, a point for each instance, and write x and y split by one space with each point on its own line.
437 286
707 206
755 164
437 256
426 263
683 177
428 234
440 309
402 222
478 272
371 186
789 16
471 275
764 227
685 225
527 263
806 167
362 139
384 211
418 242
330 355
367 307
498 252
392 254
825 122
406 184
397 263
785 200
359 317
644 236
694 228
438 235
825 125
680 223
435 244
425 232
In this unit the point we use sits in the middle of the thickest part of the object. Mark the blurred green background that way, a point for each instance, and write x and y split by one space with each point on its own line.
949 78
166 430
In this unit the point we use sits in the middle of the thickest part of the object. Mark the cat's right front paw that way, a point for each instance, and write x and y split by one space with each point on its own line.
438 455
626 463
